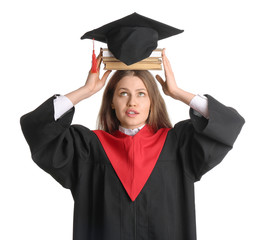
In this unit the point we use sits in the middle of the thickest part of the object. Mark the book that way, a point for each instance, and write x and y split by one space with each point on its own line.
157 53
153 62
136 66
112 59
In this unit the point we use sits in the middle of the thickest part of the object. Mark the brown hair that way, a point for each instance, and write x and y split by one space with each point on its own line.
158 117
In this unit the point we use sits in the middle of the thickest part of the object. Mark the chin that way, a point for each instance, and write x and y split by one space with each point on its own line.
133 125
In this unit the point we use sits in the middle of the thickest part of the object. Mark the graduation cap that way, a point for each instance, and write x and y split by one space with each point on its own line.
132 38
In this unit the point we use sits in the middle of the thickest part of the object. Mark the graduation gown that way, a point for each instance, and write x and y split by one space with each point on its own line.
155 204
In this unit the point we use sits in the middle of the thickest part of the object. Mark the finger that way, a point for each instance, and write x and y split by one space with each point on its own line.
159 79
166 63
167 67
99 60
105 76
163 52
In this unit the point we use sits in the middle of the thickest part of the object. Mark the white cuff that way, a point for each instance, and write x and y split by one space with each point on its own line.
200 104
61 105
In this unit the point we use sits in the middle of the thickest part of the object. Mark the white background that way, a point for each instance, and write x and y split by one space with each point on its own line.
223 52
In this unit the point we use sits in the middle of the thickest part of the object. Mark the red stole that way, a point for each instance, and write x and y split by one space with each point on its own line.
133 157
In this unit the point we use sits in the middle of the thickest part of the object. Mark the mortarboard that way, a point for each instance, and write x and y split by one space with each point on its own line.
132 38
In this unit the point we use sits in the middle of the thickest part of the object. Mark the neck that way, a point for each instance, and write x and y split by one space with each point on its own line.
130 132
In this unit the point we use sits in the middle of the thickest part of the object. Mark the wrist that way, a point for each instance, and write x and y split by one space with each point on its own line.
86 92
183 96
79 95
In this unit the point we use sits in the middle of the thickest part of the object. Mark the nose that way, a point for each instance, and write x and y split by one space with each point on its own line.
132 101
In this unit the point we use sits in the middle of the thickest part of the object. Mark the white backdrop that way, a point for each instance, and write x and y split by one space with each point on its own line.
223 52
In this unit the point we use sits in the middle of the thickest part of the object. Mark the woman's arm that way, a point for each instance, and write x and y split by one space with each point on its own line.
169 86
208 141
93 84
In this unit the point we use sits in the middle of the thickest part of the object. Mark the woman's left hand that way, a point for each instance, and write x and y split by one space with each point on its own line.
169 86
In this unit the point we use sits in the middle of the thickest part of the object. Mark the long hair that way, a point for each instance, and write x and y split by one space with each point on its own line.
158 116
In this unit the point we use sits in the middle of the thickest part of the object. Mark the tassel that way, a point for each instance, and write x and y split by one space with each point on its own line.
94 61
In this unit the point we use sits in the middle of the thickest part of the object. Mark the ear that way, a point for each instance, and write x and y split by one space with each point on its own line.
112 106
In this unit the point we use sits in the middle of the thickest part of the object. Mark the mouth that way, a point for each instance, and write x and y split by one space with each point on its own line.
131 113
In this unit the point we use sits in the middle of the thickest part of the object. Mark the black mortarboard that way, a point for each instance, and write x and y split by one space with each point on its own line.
132 38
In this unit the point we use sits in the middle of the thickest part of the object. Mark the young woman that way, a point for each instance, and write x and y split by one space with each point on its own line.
134 177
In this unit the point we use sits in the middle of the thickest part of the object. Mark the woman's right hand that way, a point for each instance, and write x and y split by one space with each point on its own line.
94 83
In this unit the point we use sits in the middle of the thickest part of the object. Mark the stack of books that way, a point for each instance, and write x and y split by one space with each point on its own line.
153 62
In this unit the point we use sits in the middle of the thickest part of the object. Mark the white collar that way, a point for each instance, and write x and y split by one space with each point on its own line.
130 132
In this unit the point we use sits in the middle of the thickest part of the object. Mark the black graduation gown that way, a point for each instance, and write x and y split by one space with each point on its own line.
164 209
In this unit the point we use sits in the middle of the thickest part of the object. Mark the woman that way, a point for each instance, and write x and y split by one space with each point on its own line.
139 186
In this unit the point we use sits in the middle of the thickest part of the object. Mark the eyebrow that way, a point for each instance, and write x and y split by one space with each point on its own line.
140 89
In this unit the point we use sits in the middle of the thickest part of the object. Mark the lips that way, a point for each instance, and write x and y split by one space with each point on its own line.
131 113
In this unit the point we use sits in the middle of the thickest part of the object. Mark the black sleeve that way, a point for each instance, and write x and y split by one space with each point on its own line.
204 143
55 146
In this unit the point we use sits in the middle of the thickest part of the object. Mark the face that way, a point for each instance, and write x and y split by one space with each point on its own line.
131 102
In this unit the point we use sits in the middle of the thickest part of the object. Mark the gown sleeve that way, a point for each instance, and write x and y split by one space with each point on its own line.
57 147
203 143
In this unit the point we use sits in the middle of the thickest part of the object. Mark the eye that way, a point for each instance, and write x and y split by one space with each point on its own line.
123 94
141 94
